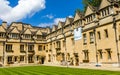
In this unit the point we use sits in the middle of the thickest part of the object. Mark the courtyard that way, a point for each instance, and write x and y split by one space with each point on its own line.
51 70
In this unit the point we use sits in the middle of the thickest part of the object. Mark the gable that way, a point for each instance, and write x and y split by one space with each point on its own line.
2 29
59 25
38 32
67 21
27 31
15 30
54 28
48 30
88 11
104 4
77 16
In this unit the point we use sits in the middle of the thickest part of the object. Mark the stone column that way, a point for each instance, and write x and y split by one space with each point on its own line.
26 47
4 55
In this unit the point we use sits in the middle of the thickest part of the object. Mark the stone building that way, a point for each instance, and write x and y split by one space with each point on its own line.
99 44
22 43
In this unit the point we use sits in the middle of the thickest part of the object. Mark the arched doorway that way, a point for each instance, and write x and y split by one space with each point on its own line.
42 59
76 59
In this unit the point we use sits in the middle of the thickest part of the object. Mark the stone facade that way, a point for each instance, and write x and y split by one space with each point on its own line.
100 43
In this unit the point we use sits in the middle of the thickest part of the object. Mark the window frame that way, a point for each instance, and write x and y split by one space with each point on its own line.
99 35
30 47
85 39
22 58
91 34
106 33
40 48
9 47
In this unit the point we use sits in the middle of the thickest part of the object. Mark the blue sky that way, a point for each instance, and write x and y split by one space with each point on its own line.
48 14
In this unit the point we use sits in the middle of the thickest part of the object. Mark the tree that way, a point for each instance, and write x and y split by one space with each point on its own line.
78 10
94 3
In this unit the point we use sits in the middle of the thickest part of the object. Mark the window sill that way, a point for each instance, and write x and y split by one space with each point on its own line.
15 38
46 50
84 43
31 51
22 51
31 61
40 50
9 51
85 61
91 42
21 61
10 62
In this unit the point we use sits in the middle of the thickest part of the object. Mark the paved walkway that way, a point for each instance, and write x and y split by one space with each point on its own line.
88 67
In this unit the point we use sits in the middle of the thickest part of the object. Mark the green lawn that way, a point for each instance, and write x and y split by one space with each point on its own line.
47 70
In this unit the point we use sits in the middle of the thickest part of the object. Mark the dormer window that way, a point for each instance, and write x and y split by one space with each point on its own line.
43 37
27 36
67 28
2 35
59 32
108 11
80 22
14 35
76 23
39 37
90 18
105 12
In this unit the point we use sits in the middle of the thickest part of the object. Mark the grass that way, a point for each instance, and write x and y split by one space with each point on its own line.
48 70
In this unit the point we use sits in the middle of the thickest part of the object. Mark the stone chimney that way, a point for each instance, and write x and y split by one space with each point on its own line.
4 24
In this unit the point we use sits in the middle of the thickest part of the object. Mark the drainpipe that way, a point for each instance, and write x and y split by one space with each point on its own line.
51 50
65 48
3 53
97 65
114 13
116 39
26 53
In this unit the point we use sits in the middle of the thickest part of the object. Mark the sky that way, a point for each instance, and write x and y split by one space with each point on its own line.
38 12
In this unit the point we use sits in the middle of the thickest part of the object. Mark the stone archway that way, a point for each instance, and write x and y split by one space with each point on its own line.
76 59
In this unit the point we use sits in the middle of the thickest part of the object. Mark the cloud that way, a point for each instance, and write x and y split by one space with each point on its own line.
58 19
55 22
70 16
50 16
45 24
25 8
